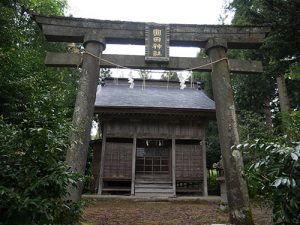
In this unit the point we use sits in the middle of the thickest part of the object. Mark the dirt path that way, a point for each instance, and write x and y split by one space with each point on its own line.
122 212
131 212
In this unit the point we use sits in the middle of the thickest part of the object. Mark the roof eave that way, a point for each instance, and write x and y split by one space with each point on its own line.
210 113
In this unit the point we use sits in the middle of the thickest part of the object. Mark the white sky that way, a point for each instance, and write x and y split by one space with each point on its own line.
159 11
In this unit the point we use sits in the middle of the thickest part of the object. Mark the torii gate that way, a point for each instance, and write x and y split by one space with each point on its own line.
216 39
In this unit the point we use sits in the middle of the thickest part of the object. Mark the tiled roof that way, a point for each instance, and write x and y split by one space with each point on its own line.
153 97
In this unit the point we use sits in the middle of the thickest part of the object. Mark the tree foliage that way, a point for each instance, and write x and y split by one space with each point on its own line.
169 75
271 149
282 16
145 74
33 176
253 126
279 54
203 77
213 151
281 50
105 73
36 105
274 174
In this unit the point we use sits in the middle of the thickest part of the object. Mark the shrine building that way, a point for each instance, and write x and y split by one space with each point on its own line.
153 138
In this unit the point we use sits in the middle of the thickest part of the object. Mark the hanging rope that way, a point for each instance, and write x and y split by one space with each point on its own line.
124 67
144 79
207 64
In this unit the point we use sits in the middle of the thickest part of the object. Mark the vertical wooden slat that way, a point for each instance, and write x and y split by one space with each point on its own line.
96 166
204 165
102 161
173 165
133 163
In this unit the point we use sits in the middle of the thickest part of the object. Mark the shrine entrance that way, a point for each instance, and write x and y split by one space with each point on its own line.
216 39
153 157
153 174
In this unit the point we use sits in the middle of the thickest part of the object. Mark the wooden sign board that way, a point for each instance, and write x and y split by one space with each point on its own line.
157 42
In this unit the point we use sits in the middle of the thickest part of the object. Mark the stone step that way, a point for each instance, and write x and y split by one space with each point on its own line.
153 186
154 195
153 181
164 186
153 190
154 177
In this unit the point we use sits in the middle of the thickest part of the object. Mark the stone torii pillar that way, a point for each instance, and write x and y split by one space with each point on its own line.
84 109
237 192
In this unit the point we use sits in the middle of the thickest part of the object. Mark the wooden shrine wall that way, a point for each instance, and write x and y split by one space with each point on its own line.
118 159
189 165
151 128
97 148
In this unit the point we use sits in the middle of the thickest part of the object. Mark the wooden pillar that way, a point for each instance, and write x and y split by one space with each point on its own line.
203 144
101 172
174 165
237 192
83 112
96 166
133 164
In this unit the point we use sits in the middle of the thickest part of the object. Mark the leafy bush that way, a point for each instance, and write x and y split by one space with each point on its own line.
213 151
274 173
33 179
36 105
253 126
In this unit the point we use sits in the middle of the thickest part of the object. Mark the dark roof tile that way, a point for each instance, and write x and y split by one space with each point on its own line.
153 97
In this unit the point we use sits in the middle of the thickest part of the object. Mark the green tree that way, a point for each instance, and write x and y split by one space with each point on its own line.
213 145
293 84
281 50
274 171
203 77
254 92
36 105
145 74
105 73
212 138
273 168
282 16
253 126
169 75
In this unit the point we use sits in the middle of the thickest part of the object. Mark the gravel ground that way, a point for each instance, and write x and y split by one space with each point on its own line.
146 212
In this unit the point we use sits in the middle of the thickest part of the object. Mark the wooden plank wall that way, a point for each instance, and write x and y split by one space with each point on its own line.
119 128
97 147
118 159
188 130
189 164
155 129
